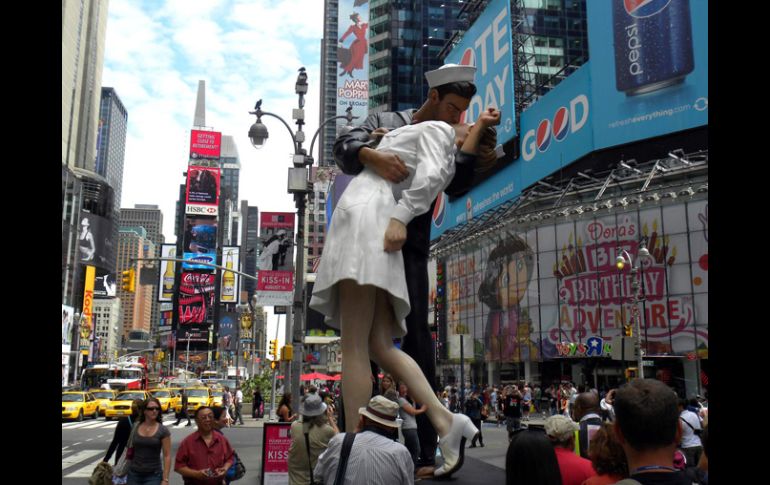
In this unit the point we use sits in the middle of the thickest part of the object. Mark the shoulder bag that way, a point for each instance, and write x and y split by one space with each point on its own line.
237 470
347 444
697 432
309 464
124 463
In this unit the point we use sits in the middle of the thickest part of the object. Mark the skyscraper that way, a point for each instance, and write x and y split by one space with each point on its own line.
133 242
405 39
150 218
84 28
231 172
111 140
249 244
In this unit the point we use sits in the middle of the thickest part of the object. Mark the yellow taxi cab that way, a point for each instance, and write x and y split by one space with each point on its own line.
164 396
216 396
76 404
196 397
103 398
176 396
121 405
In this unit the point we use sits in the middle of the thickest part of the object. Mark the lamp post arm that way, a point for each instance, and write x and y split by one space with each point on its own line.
312 142
260 113
180 260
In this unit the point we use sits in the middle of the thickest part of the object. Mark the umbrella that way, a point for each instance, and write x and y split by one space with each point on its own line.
313 376
336 378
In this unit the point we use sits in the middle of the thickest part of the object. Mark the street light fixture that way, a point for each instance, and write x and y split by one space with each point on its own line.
623 259
299 186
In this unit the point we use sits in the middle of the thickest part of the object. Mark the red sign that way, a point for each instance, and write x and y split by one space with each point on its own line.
275 281
276 442
205 144
276 220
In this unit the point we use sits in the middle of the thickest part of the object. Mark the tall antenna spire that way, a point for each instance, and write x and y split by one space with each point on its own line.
200 105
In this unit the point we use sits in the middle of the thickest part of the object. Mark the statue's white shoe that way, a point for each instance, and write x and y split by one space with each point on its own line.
453 444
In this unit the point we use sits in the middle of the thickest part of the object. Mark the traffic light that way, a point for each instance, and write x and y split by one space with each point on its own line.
628 330
631 373
128 280
287 352
273 364
274 349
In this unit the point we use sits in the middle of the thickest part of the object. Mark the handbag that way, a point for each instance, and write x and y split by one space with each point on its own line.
124 463
237 470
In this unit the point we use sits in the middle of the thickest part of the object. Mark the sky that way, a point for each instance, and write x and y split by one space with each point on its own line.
244 50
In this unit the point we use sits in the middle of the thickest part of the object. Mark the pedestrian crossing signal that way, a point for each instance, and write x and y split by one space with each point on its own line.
628 330
273 364
631 373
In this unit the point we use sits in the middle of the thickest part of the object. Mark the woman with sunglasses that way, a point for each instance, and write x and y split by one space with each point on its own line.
150 438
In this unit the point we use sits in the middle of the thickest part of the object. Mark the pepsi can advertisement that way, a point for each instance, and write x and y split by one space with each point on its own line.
653 44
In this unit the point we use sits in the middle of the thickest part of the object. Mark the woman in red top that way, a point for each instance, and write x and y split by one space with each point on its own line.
358 48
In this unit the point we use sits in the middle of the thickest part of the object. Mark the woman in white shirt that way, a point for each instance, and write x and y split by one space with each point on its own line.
360 284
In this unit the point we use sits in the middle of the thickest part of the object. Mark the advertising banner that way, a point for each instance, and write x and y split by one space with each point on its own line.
228 331
105 285
167 272
203 186
276 442
275 288
86 318
195 335
649 68
275 268
554 291
166 317
205 144
200 242
555 131
353 58
487 45
230 281
196 298
67 318
95 240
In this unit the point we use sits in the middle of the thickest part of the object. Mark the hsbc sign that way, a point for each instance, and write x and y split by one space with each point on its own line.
556 128
202 210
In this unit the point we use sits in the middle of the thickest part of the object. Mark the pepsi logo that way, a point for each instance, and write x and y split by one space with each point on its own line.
544 135
645 8
560 124
439 211
564 121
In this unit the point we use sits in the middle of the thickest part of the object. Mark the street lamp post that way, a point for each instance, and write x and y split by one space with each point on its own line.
187 359
623 259
299 186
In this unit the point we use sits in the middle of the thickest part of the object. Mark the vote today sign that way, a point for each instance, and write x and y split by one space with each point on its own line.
276 441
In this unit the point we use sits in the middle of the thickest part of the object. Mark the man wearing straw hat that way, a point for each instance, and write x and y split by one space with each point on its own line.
377 457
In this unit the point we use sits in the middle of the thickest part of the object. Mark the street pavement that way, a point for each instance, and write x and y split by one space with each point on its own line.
84 444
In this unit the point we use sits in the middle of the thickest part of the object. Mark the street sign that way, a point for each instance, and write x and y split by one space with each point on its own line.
648 363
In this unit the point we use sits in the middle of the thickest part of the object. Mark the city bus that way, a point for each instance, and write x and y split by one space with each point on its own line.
119 376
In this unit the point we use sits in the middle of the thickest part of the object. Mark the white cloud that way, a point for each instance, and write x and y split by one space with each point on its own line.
157 51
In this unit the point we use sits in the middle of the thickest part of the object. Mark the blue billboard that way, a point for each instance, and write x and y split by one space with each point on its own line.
649 68
555 131
487 45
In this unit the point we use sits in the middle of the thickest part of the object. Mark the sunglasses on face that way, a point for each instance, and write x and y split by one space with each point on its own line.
152 409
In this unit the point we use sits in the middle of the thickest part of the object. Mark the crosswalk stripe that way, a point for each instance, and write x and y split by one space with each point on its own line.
86 471
89 425
78 457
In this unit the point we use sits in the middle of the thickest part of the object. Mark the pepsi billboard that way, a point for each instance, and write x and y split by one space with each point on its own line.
649 63
487 45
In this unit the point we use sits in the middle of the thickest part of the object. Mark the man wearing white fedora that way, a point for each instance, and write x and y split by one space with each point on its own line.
377 458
